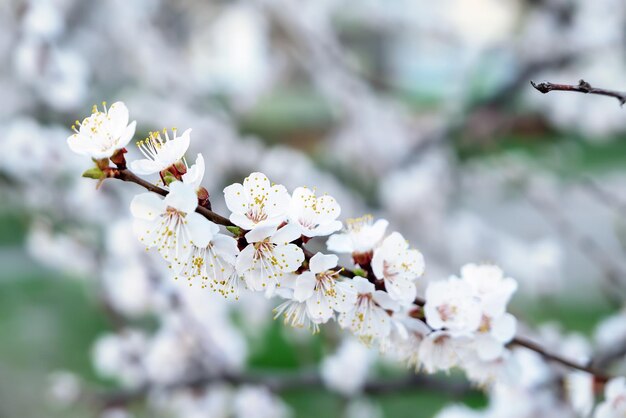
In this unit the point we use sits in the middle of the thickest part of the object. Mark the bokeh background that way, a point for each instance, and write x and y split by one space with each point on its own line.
418 111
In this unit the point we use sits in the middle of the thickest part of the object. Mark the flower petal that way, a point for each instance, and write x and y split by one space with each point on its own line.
260 233
286 234
127 135
175 149
225 247
194 175
503 328
236 198
319 306
256 185
201 230
145 167
401 290
321 262
182 197
385 301
340 243
290 257
305 284
147 206
277 202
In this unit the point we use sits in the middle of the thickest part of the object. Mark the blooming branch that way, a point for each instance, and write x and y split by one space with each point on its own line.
462 321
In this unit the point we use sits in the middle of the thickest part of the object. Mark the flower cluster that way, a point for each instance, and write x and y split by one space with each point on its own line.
468 314
463 321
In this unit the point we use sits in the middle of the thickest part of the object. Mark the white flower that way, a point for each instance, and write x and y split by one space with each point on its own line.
294 313
398 266
321 290
64 388
368 318
166 223
460 411
484 373
451 304
493 289
160 153
346 370
363 408
405 338
611 330
103 133
579 390
120 356
361 236
493 334
169 356
127 285
212 260
614 405
440 351
314 216
195 173
493 292
268 257
256 202
258 402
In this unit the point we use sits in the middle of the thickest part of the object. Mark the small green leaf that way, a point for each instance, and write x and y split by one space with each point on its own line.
94 173
360 272
235 230
168 178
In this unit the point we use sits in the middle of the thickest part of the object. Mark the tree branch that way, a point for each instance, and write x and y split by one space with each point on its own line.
582 87
127 175
522 342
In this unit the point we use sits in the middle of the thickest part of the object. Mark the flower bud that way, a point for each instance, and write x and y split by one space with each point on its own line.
118 158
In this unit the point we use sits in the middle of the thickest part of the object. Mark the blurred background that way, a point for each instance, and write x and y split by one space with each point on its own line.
417 111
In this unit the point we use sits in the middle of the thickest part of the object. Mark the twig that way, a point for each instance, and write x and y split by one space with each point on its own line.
600 376
127 175
499 97
612 272
607 198
582 87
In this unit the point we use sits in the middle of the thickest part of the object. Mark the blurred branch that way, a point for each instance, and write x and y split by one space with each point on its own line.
278 382
612 272
603 196
501 95
522 342
581 87
605 358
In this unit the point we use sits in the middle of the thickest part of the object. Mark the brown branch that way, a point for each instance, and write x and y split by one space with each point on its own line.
581 87
521 342
127 175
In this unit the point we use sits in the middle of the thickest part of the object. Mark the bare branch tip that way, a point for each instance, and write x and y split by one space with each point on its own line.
541 87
